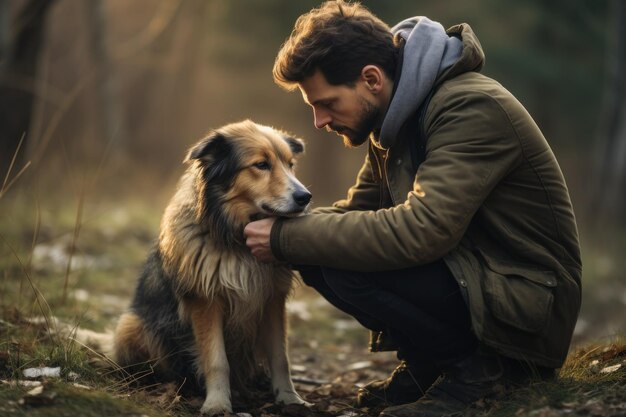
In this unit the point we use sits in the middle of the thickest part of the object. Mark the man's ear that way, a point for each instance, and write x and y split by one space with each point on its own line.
212 147
296 145
373 77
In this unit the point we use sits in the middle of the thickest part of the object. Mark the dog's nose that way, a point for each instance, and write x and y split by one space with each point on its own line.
301 197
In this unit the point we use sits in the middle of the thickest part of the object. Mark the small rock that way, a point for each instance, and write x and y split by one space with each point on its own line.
350 414
38 397
44 371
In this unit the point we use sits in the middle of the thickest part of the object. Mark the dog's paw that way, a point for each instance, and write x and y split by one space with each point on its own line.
214 410
290 397
211 407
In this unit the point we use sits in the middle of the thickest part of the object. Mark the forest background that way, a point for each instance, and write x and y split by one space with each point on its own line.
100 99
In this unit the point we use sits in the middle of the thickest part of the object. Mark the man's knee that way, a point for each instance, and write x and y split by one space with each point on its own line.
311 275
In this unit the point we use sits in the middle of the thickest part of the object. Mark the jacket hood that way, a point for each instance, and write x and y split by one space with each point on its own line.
472 56
430 56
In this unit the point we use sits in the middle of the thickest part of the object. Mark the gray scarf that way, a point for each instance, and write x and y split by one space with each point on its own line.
428 51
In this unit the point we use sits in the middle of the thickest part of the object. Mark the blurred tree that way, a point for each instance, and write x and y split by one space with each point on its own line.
111 122
182 66
154 44
550 54
20 45
610 177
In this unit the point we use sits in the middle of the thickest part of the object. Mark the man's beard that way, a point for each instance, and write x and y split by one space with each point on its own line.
366 124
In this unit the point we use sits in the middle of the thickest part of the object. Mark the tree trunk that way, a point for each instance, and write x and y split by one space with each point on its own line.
20 45
609 202
111 122
4 30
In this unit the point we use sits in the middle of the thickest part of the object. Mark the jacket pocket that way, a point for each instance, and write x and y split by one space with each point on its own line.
518 295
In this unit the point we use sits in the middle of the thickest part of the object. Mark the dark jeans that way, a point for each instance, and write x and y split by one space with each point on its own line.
421 307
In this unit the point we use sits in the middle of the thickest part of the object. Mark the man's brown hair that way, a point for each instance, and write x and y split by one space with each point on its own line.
339 38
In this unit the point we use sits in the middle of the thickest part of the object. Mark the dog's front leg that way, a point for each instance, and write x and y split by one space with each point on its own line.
275 346
207 324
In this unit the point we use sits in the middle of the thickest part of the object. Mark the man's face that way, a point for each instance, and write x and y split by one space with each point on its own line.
349 111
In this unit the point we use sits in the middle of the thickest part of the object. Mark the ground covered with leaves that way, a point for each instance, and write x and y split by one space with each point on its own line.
82 272
46 374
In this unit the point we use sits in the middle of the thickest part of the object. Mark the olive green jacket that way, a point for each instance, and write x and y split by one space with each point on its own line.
489 198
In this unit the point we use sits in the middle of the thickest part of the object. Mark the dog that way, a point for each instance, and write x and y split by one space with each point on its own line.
204 307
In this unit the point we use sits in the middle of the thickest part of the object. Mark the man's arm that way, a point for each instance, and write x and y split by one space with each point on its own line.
471 147
363 195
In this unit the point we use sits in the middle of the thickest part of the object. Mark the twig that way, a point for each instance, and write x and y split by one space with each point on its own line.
19 174
35 238
77 224
171 405
156 26
55 120
309 381
98 354
6 187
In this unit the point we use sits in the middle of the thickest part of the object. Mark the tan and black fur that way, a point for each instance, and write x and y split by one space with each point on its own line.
204 307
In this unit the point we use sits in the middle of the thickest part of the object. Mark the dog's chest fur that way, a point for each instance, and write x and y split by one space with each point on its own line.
233 278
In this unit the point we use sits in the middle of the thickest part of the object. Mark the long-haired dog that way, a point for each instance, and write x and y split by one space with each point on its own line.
204 307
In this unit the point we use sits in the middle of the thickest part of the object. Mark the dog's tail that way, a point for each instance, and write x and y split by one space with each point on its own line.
99 343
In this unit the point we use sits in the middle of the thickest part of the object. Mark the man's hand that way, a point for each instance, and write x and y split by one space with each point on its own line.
257 236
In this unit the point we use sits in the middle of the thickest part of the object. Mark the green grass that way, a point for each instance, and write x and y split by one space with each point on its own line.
101 390
71 401
107 244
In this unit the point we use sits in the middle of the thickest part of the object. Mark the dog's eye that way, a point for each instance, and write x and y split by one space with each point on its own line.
263 165
291 164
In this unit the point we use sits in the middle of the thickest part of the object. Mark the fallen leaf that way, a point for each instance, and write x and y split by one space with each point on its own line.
21 383
610 369
359 365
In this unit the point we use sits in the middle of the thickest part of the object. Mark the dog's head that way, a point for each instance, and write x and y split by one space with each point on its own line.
246 171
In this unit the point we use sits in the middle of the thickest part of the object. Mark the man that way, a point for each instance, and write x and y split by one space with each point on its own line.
457 246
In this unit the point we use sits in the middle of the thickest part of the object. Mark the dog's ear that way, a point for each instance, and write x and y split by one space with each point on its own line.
216 155
213 147
296 145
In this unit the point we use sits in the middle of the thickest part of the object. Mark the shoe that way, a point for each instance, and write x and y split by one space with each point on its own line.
405 384
480 375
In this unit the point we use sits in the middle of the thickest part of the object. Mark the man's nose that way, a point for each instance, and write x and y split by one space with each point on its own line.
321 118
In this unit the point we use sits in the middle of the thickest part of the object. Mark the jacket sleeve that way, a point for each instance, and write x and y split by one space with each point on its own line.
472 145
363 195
